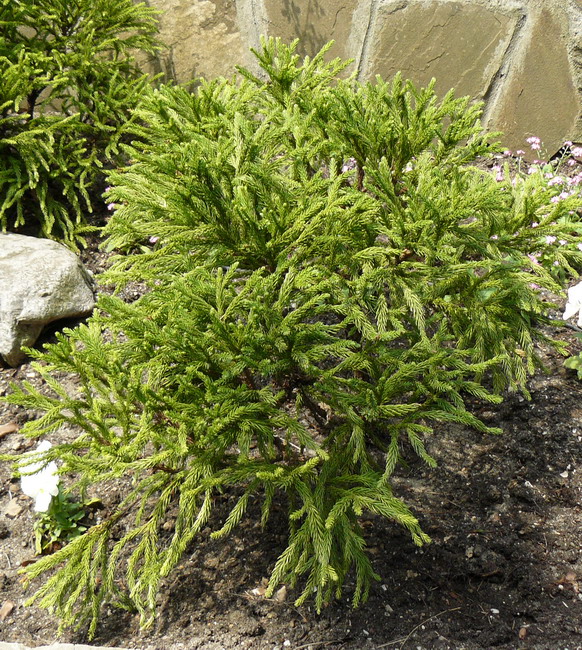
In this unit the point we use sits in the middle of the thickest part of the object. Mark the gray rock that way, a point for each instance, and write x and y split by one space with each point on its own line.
41 281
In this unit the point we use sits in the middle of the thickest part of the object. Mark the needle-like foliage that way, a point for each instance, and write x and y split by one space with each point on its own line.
68 81
328 280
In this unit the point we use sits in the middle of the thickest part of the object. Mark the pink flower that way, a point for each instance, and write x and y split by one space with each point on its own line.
533 258
556 263
507 152
579 247
535 224
555 199
499 177
571 162
562 242
577 152
350 165
535 146
494 237
111 206
568 143
520 152
565 195
153 239
533 140
550 239
556 180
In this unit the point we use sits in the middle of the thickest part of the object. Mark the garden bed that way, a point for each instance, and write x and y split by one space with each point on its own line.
504 569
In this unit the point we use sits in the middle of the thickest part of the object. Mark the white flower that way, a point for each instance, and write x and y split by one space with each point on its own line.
41 480
574 304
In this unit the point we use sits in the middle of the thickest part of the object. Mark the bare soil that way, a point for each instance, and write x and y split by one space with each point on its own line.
504 569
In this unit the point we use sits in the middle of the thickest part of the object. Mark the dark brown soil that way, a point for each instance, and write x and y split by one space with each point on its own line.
504 569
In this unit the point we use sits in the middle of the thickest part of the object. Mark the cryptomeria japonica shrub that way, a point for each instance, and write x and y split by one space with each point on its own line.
328 279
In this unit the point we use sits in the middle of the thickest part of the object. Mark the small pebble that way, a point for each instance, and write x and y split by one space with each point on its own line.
281 594
13 509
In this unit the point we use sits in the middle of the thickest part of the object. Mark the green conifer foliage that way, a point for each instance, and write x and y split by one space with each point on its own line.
329 279
68 81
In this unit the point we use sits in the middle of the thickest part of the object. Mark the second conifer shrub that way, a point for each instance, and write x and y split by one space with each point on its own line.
68 82
329 279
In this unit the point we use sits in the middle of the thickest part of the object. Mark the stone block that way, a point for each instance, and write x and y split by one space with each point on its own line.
540 97
461 45
202 38
315 23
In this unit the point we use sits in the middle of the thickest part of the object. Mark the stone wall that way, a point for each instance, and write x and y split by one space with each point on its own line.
523 58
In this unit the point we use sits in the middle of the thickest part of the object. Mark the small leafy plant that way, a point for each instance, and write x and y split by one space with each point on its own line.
63 522
329 277
575 363
68 81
